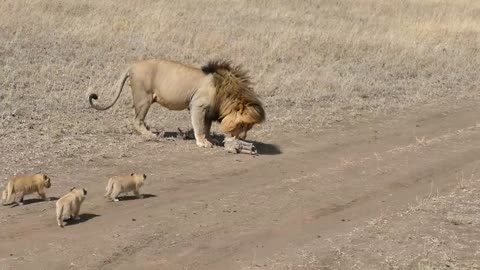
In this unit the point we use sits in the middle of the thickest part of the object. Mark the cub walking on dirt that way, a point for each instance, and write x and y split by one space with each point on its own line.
124 184
68 206
19 186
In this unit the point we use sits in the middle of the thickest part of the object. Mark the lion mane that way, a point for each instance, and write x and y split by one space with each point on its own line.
235 103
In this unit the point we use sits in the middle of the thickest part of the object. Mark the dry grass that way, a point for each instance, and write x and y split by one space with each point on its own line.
314 63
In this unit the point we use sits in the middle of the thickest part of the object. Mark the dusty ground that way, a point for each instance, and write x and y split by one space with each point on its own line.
353 199
367 160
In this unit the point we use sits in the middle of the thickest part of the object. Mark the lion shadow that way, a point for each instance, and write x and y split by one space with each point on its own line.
266 148
180 134
32 201
262 148
133 197
84 217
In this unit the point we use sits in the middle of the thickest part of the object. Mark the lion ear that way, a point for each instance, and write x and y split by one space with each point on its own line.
72 188
131 174
45 177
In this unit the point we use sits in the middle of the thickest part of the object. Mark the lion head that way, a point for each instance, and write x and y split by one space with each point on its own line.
46 181
236 106
138 177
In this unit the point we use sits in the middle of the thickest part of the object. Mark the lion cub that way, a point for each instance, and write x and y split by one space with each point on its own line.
19 186
124 184
68 206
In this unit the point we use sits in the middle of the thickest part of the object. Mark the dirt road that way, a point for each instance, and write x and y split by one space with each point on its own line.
213 210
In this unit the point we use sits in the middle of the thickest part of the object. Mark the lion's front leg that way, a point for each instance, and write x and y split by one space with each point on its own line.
208 126
198 122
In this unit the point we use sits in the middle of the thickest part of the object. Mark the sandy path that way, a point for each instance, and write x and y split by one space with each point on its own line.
243 211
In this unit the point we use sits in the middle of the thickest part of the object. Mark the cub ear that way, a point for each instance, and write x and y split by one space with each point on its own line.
72 188
84 191
144 176
131 174
45 177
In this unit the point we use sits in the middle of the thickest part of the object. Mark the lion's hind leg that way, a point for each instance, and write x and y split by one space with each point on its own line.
141 104
115 192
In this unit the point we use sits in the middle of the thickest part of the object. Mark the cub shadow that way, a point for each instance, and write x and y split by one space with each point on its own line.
262 148
83 218
33 201
133 197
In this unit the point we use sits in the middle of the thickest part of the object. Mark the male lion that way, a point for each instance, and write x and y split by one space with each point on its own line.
216 92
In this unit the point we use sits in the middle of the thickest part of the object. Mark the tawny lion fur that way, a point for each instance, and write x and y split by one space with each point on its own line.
124 184
19 186
216 92
68 206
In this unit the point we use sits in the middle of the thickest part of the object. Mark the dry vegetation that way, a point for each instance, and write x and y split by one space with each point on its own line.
314 63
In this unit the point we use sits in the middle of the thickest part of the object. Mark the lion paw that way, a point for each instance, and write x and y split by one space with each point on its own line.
205 144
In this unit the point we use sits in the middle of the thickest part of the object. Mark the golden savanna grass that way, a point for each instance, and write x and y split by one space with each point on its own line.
313 62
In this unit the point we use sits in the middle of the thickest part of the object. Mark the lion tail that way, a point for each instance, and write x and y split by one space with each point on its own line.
94 96
109 187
